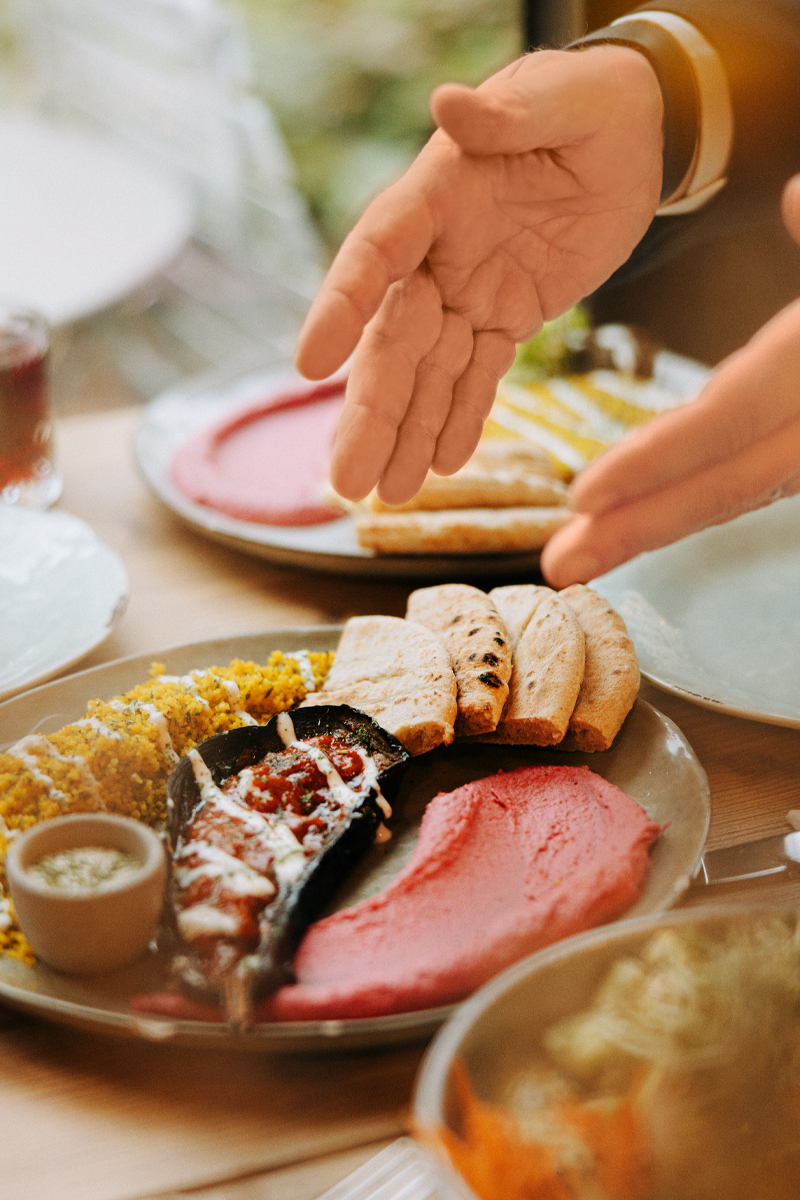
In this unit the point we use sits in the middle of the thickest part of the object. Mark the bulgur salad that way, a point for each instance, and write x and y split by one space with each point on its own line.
118 757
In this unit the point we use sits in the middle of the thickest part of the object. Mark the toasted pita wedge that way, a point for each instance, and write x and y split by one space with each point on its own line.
611 677
460 530
477 641
548 669
475 487
514 454
516 604
398 672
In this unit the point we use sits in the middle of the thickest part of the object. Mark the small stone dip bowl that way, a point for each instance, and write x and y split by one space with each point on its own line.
87 928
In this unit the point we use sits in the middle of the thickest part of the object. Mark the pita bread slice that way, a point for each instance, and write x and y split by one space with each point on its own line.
611 678
477 641
516 604
514 454
548 669
461 530
400 674
475 487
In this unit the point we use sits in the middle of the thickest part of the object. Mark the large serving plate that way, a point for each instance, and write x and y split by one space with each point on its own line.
174 417
62 591
650 760
715 618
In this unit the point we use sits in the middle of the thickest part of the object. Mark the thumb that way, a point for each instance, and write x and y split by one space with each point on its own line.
790 207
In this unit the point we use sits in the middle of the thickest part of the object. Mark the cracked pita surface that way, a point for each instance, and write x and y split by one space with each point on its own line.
611 676
516 604
476 638
548 669
399 673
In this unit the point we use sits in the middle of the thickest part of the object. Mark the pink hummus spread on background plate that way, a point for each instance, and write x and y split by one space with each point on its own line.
269 462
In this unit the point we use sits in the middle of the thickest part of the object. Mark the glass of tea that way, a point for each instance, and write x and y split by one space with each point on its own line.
27 471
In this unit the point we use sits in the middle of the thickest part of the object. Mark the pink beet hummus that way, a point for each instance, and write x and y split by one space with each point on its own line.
269 462
503 866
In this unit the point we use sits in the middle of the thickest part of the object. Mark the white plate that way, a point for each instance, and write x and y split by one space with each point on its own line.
716 617
650 760
177 415
83 221
62 590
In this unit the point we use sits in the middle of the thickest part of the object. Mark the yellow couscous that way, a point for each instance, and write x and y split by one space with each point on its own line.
119 756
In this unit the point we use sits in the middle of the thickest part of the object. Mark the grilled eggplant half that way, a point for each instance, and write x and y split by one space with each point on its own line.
265 822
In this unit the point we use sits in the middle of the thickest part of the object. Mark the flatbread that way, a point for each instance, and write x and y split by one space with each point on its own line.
478 487
611 676
460 531
507 454
477 641
398 672
516 604
548 670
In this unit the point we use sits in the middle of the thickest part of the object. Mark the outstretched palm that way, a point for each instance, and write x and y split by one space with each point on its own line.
533 190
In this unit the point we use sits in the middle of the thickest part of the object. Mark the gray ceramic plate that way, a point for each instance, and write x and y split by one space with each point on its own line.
716 617
650 760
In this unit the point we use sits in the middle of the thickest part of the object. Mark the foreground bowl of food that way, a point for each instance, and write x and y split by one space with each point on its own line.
656 1059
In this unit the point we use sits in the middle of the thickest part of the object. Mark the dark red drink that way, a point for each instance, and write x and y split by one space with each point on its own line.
26 466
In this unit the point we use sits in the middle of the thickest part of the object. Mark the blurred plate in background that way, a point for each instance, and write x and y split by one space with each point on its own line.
177 415
62 591
83 221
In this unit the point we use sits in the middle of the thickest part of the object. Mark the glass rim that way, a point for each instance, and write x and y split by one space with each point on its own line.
22 326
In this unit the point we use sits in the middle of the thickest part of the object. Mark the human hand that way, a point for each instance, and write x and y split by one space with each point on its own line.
534 188
736 447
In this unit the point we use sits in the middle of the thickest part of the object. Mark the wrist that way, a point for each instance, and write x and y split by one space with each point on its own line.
698 116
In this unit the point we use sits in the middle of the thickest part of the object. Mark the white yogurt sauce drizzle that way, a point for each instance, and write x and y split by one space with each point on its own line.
97 725
306 670
289 858
30 749
234 695
157 719
189 682
8 834
216 863
287 734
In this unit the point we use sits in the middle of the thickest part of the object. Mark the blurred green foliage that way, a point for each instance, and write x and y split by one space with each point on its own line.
551 351
349 81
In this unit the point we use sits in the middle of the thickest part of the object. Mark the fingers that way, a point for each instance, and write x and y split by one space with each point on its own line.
389 242
593 543
420 389
548 99
473 396
748 398
427 411
382 381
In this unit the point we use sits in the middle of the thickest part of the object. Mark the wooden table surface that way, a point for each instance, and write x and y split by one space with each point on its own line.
92 1118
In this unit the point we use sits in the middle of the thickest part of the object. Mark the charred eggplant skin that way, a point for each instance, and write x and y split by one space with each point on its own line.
226 754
